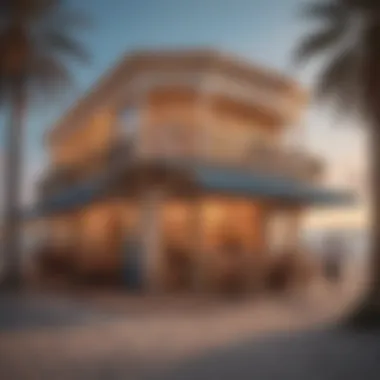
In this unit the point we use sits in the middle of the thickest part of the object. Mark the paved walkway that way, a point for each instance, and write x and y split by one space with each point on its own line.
121 337
329 354
25 313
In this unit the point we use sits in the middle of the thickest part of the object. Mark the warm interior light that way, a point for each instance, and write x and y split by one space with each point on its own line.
213 213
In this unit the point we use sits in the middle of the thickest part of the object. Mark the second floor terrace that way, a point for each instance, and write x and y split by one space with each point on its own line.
275 162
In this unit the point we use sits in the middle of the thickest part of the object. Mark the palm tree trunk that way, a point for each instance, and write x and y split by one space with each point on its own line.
12 182
374 293
367 314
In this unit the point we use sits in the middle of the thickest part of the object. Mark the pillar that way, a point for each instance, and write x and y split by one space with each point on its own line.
266 263
292 246
196 243
293 230
259 259
151 240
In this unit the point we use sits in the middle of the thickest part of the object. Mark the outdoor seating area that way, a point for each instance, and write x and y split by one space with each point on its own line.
283 273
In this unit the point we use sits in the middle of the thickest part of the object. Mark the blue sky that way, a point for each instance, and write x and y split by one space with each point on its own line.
264 31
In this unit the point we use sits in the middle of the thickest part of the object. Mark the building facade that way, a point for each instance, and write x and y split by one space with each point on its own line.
174 172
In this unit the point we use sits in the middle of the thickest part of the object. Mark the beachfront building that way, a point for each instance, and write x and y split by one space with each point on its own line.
173 173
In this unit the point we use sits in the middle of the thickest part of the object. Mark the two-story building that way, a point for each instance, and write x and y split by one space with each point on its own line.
174 171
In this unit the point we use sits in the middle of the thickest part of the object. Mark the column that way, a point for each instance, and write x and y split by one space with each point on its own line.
259 253
196 242
293 247
269 214
293 231
151 240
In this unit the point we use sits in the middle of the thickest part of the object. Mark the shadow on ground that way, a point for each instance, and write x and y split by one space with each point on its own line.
326 354
25 312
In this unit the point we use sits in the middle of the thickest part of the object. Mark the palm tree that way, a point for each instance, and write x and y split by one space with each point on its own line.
35 41
349 39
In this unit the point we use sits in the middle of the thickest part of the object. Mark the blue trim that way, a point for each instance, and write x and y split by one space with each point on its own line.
253 185
213 179
76 196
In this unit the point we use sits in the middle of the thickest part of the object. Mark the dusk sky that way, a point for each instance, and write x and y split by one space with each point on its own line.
262 31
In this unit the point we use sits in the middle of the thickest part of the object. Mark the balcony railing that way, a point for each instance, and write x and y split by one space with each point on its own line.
269 161
281 162
278 102
58 178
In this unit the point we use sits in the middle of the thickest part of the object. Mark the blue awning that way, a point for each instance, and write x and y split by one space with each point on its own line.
253 185
211 179
76 196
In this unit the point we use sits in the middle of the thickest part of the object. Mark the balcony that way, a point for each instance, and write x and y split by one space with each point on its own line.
286 163
274 161
263 155
278 103
58 178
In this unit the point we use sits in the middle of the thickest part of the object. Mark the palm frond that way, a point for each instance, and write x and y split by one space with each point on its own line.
49 78
57 41
371 70
318 43
362 5
44 30
325 11
340 82
65 19
39 8
25 10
